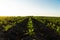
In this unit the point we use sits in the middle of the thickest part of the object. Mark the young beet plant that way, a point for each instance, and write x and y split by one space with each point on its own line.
30 28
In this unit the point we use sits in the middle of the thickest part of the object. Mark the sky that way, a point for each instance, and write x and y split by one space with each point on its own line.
29 7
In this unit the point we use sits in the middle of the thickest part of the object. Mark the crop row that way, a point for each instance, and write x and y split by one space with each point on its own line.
13 28
51 22
30 28
43 32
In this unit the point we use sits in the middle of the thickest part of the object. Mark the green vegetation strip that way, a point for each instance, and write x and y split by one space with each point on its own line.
53 22
30 28
9 22
13 24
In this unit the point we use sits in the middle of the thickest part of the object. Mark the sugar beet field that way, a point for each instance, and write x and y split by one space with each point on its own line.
29 28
